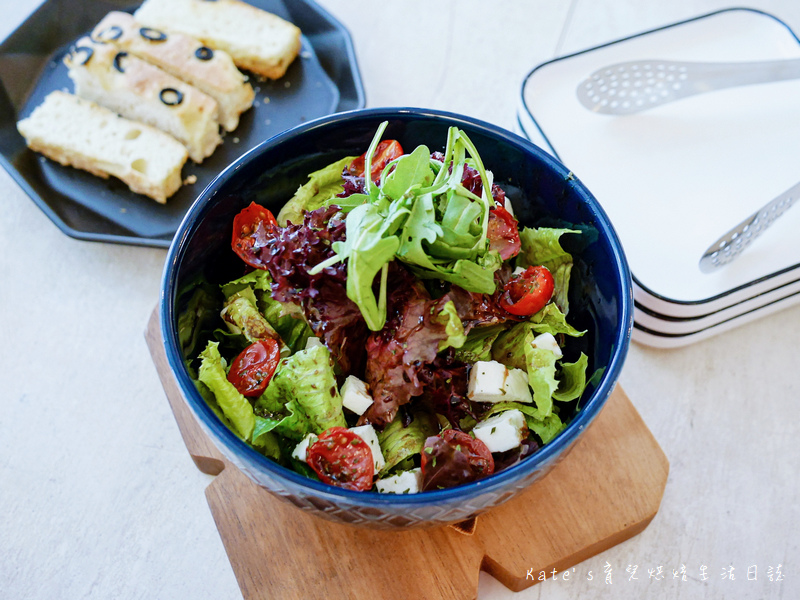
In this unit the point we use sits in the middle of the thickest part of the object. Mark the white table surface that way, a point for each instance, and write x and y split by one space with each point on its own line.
99 498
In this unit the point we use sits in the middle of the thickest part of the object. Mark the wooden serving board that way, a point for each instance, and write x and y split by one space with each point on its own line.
604 492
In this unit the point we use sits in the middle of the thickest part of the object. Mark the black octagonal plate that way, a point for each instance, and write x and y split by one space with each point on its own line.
323 80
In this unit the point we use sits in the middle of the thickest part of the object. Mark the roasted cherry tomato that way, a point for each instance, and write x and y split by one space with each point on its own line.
454 458
527 293
250 229
503 233
342 458
251 371
386 152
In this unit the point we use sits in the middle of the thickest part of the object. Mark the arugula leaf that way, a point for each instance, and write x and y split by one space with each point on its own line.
411 172
365 264
421 214
475 276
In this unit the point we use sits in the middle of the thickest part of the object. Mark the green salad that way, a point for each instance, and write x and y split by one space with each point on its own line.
393 329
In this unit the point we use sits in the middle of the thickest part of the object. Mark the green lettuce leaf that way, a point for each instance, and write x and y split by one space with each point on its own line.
478 345
399 443
241 315
542 247
322 185
551 320
514 348
541 367
573 380
200 312
509 346
452 326
546 428
264 440
285 319
233 405
302 397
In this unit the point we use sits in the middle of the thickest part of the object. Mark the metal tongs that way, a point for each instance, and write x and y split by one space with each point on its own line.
635 86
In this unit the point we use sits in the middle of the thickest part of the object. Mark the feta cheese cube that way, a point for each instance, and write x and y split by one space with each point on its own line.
518 271
407 482
501 432
367 433
355 396
546 341
517 388
487 381
300 450
313 342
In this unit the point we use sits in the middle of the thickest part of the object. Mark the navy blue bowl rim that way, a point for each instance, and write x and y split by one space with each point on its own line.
464 492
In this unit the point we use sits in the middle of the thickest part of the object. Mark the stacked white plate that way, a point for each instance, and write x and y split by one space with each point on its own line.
674 178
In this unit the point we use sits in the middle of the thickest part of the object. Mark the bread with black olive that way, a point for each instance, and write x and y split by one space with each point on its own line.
257 40
184 57
142 92
79 133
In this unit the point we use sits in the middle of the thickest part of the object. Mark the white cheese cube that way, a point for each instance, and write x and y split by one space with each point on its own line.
501 432
508 207
517 388
301 449
407 482
487 381
313 342
367 433
355 396
518 271
546 341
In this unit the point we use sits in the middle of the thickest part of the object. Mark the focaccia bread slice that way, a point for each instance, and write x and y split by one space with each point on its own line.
184 57
256 40
140 91
79 133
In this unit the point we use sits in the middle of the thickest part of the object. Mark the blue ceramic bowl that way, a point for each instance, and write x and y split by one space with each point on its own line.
543 192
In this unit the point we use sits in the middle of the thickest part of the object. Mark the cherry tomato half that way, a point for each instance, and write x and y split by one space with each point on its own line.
503 233
342 458
528 293
250 229
251 371
454 458
386 152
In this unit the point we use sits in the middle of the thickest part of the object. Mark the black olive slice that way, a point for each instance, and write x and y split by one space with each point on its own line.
154 35
171 96
204 53
117 59
89 52
110 33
